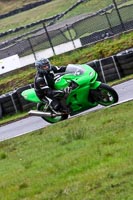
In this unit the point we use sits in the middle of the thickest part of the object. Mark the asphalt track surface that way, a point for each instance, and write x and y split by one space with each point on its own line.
29 124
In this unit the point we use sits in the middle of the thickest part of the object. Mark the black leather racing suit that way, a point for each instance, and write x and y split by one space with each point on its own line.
44 84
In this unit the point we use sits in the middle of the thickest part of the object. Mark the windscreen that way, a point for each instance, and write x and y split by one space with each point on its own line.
74 69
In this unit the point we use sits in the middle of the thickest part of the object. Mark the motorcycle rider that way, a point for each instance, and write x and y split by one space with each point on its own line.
44 83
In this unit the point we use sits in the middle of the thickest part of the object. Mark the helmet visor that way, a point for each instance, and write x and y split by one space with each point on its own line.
45 67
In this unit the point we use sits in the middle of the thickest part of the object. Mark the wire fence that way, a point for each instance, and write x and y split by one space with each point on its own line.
106 22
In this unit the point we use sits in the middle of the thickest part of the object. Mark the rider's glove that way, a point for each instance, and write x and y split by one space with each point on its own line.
67 90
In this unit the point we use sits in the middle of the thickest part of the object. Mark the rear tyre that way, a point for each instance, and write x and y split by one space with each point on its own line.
42 107
105 95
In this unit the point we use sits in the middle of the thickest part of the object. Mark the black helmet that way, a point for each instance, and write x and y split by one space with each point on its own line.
43 65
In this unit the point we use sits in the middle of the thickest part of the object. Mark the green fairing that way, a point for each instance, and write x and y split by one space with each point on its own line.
85 77
86 93
78 98
30 95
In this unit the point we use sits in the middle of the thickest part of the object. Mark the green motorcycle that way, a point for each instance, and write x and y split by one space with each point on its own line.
86 92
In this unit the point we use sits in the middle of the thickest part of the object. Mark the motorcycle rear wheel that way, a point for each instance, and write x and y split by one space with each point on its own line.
106 95
41 107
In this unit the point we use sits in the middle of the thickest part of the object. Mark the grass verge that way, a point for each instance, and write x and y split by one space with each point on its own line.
88 157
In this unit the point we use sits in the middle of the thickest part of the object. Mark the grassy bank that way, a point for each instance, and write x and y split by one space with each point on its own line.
87 157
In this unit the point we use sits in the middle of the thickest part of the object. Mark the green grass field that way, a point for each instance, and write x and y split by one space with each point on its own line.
84 158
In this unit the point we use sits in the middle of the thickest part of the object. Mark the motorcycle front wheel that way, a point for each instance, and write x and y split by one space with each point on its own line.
41 107
105 95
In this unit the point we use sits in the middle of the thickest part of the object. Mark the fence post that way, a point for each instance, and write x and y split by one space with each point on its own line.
31 48
118 13
49 39
108 21
70 35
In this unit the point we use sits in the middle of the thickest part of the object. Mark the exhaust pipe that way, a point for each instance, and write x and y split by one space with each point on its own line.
43 114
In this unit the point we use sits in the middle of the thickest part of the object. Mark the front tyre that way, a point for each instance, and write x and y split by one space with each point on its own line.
42 107
106 95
